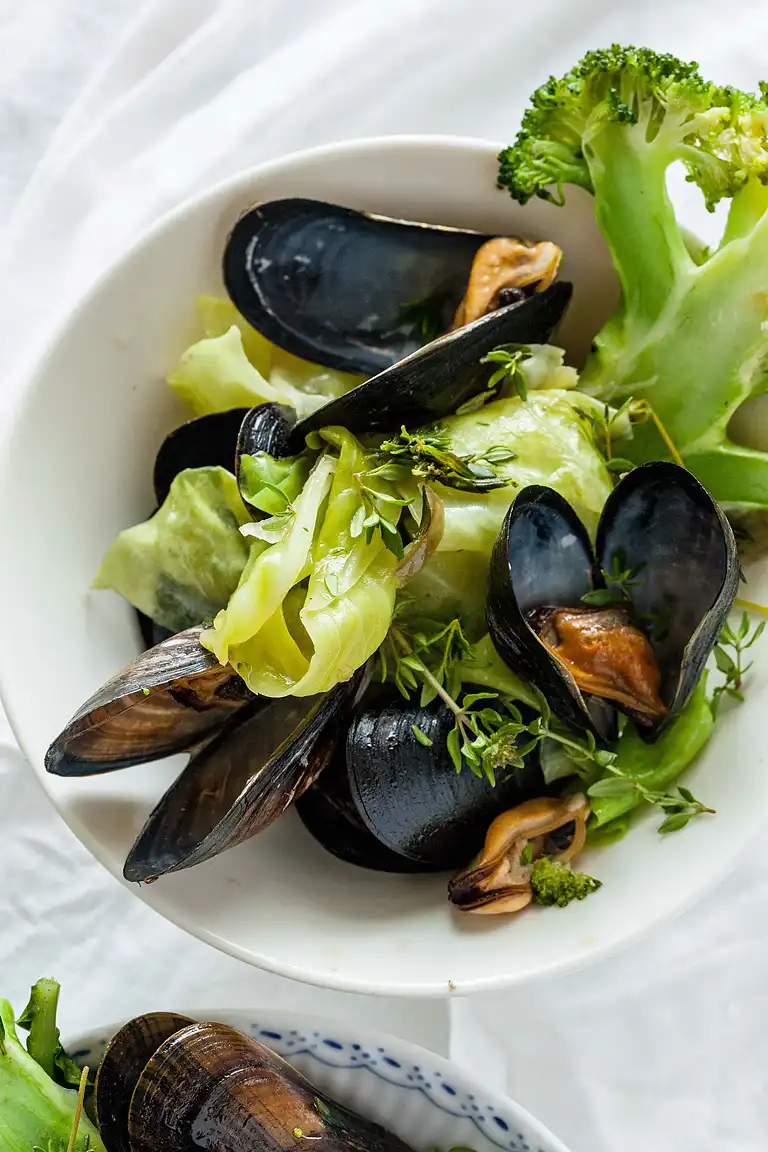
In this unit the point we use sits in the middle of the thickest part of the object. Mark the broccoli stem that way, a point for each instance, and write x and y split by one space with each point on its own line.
636 217
39 1017
691 366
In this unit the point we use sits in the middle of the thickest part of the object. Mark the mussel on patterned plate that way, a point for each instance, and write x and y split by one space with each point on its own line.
165 1083
381 599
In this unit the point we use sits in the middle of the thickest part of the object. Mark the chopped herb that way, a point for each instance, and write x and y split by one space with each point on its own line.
298 1133
146 691
424 316
621 580
429 456
509 357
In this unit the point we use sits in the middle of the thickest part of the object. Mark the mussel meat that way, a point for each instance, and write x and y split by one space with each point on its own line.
358 292
168 700
211 1087
407 794
630 627
246 777
499 879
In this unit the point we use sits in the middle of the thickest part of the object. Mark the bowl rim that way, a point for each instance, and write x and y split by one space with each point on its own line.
407 1051
22 386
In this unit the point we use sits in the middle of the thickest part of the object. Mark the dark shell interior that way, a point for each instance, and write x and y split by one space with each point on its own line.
123 1062
665 527
204 442
170 698
661 526
249 774
434 381
542 556
343 288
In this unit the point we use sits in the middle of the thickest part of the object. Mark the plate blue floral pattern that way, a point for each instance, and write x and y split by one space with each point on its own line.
317 1052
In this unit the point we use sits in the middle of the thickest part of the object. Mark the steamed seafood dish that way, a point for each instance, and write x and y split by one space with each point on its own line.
463 604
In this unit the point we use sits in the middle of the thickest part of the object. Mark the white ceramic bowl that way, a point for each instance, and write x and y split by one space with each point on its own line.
429 1102
76 467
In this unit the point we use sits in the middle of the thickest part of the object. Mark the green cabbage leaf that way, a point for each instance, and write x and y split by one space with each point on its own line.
182 565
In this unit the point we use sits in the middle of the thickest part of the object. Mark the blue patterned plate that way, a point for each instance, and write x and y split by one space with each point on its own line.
430 1103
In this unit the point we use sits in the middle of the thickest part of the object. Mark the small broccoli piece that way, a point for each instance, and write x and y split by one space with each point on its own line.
691 333
555 883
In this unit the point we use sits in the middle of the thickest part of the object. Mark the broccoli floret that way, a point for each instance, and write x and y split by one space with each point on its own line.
555 883
690 336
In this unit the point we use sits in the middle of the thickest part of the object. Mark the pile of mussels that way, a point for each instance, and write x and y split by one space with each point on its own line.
166 1082
367 789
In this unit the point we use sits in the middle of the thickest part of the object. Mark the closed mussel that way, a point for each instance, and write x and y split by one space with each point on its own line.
124 1060
629 627
214 1088
168 700
242 780
407 793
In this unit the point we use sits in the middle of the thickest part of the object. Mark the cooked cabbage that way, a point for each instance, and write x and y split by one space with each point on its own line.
182 565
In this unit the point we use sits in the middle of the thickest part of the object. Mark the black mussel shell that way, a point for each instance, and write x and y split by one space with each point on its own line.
542 556
433 382
342 288
213 1088
661 524
168 700
126 1057
411 797
329 813
248 774
200 443
265 428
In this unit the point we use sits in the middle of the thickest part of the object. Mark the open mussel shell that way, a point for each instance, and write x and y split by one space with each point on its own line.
664 526
542 556
342 288
410 796
168 700
660 525
434 381
124 1060
242 780
213 1088
204 442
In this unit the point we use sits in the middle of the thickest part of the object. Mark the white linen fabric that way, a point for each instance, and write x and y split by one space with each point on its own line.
663 1047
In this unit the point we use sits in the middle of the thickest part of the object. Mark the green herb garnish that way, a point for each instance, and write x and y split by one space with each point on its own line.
729 658
429 456
510 358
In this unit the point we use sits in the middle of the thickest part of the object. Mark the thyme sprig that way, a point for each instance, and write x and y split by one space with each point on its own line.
510 358
620 579
429 456
678 807
729 658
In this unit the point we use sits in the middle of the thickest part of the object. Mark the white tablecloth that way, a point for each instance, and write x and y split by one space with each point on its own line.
664 1047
